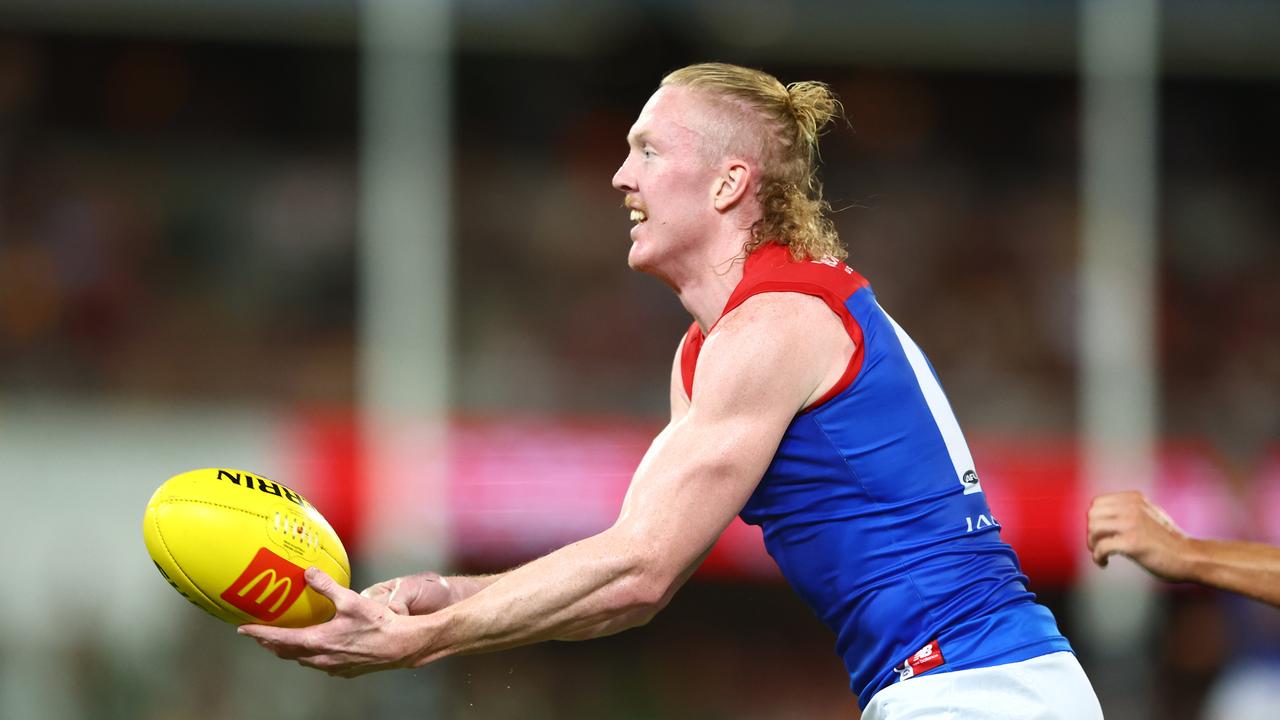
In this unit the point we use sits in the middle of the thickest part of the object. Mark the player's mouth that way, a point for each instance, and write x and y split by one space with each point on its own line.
638 215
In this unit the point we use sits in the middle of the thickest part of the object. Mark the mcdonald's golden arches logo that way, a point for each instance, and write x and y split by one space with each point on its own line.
267 588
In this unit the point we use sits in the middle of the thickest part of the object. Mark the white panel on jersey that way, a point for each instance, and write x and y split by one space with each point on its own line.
945 419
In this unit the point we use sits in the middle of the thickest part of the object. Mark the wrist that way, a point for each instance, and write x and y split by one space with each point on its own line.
461 587
1193 558
426 633
457 587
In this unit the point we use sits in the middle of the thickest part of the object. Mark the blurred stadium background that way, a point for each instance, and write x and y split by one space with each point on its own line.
371 250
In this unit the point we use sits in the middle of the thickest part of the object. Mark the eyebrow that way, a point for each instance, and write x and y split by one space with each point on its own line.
637 138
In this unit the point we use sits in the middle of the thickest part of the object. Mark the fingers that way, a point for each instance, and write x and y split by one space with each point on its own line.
1115 514
379 592
1110 521
297 646
1106 525
1107 547
382 590
1115 503
389 593
270 634
320 581
290 645
395 600
1096 534
328 587
335 666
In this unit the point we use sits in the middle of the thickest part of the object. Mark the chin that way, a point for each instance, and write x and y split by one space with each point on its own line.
641 261
637 257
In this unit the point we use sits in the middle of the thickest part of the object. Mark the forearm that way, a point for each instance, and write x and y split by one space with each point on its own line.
1248 568
593 587
638 617
462 587
696 476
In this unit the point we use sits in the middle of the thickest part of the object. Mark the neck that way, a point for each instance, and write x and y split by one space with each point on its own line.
708 281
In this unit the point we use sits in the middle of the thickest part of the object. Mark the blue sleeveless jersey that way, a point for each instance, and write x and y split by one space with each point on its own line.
873 509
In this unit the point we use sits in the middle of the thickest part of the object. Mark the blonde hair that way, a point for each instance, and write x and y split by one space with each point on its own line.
790 119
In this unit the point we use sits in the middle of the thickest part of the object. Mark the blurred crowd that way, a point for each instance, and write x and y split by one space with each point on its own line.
178 223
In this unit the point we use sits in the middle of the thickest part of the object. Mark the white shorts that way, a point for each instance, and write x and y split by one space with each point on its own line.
1049 687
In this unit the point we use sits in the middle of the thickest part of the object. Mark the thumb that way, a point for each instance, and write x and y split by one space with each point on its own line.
323 584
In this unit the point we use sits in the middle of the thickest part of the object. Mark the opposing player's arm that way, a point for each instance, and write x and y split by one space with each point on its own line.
1131 525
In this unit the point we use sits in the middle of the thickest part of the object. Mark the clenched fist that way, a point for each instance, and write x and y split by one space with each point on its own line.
413 594
1129 524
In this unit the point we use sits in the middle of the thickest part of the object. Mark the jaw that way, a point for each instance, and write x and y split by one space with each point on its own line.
662 273
656 257
644 255
638 254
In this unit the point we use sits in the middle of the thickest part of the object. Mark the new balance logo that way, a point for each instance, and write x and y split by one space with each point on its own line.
924 660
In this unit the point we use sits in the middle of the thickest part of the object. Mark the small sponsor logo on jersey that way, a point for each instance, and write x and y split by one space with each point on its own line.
267 588
831 261
971 483
924 660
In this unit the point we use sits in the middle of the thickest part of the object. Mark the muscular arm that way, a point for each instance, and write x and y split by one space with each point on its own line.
429 592
764 362
1128 524
694 479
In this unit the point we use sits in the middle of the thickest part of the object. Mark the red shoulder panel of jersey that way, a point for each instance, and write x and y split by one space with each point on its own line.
772 269
773 265
689 356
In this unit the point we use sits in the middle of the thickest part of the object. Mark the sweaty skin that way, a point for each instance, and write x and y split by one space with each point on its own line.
1129 524
695 477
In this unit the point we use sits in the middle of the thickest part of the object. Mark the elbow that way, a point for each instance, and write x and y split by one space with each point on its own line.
643 594
638 608
649 601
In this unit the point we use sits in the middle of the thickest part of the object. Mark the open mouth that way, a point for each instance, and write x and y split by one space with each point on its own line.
638 216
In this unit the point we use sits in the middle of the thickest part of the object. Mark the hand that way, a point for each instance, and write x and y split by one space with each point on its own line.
1128 524
413 594
363 637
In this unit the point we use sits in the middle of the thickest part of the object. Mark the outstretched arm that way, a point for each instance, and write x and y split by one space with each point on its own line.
763 363
1131 525
428 592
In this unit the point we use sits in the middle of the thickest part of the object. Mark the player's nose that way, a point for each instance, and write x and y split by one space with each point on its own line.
624 179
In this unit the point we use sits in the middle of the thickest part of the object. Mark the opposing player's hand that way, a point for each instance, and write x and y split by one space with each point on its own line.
363 637
1128 524
412 594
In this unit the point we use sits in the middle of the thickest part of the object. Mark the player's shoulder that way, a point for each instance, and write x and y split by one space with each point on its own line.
775 307
791 323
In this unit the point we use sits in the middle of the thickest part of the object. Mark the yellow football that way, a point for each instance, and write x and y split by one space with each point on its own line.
236 544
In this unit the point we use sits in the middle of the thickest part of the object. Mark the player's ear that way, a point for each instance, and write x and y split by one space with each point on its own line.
731 184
